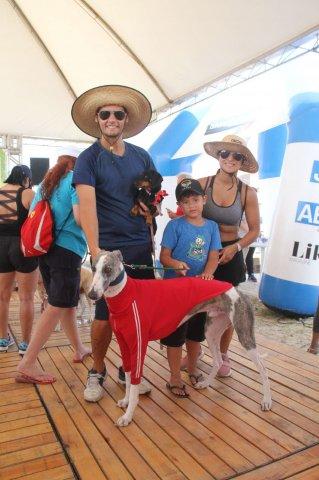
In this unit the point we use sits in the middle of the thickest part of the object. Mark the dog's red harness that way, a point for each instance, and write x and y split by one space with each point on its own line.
152 309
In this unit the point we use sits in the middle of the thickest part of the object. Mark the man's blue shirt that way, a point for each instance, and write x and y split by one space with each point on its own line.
112 176
190 243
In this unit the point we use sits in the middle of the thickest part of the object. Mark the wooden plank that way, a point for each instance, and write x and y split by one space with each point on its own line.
286 467
70 419
33 466
16 407
16 397
309 474
23 423
25 432
22 456
28 412
159 450
21 443
60 473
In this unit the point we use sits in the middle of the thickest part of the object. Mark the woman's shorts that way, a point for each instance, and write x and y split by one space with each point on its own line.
234 271
193 329
12 258
60 270
133 254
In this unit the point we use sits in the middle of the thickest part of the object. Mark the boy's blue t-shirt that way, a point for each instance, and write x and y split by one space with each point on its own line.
190 243
63 198
112 176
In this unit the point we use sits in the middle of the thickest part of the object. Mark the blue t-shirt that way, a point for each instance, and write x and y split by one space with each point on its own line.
63 197
112 176
190 244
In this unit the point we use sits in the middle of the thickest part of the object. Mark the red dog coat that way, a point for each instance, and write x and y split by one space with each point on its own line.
152 309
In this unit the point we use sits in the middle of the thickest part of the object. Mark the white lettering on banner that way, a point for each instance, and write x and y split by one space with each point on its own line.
316 216
305 214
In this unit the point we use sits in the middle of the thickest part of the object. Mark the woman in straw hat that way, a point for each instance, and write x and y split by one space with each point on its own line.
104 175
227 200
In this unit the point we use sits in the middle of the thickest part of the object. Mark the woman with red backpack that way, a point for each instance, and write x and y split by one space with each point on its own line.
60 270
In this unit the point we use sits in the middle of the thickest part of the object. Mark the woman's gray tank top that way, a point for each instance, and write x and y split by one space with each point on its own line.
230 215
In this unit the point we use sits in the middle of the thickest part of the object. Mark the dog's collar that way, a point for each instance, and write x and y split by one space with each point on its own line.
118 279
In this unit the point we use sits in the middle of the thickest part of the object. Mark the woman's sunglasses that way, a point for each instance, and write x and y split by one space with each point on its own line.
237 156
105 114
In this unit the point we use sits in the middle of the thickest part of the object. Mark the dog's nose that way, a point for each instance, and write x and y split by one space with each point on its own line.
93 294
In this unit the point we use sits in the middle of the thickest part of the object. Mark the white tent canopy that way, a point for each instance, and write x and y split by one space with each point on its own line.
52 51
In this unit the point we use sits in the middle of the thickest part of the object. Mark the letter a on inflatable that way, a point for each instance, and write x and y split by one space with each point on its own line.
290 279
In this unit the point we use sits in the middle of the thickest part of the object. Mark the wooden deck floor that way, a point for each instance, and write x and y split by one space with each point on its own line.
221 433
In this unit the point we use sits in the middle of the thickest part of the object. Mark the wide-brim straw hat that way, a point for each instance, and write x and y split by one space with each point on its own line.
233 143
137 106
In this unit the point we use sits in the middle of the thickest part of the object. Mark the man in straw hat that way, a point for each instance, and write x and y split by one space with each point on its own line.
104 175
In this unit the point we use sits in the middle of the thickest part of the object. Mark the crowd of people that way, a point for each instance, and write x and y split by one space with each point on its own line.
91 199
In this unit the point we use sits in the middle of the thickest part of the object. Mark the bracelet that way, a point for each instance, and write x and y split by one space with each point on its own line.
239 247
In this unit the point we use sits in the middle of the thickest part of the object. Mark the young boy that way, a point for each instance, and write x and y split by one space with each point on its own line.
191 244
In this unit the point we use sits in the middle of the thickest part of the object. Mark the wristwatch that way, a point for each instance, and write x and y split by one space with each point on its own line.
239 248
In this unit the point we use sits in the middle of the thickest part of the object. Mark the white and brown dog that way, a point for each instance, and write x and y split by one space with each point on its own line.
143 310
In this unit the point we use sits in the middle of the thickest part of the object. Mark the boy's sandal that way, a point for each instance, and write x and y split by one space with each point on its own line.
196 378
315 351
178 390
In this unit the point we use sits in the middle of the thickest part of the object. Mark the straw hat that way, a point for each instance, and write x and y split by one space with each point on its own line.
233 143
135 103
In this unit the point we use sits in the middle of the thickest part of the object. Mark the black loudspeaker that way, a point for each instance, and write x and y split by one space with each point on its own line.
39 167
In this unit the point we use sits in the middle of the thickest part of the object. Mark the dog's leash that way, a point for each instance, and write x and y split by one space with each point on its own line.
133 266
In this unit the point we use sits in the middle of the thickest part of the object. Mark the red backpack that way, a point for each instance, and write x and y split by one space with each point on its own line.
37 232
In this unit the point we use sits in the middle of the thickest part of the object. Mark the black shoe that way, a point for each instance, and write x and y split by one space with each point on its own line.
252 278
121 376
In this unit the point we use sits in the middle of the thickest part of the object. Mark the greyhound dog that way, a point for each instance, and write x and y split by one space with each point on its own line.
143 310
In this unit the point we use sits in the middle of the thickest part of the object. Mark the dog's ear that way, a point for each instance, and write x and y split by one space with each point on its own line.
119 255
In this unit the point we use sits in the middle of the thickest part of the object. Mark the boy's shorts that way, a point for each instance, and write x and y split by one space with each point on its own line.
193 329
60 270
134 254
12 258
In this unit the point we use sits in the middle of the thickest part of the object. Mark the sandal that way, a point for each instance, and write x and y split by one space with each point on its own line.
196 378
180 391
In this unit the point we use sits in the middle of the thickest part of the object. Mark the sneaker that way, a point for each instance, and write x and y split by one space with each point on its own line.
22 346
94 386
252 278
225 370
5 343
144 386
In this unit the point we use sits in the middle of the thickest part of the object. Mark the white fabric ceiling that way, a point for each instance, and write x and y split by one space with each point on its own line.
52 51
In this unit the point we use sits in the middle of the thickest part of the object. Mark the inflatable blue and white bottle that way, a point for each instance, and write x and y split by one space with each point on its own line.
290 279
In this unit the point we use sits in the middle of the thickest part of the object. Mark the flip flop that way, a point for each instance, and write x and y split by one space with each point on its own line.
39 379
82 358
182 394
314 351
195 378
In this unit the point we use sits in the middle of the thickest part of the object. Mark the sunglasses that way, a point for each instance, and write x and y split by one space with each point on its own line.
105 114
236 156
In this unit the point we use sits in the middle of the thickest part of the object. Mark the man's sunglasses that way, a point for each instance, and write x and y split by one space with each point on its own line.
105 114
237 156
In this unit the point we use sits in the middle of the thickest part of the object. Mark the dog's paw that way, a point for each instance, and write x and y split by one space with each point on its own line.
266 404
123 421
123 403
203 384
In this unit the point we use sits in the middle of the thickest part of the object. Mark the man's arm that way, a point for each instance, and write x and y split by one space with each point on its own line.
88 217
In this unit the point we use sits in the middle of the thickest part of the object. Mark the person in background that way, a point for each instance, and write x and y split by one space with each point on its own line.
179 212
228 198
104 175
15 199
314 346
60 270
192 243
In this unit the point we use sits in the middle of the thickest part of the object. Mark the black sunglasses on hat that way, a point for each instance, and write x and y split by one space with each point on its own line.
236 155
105 114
